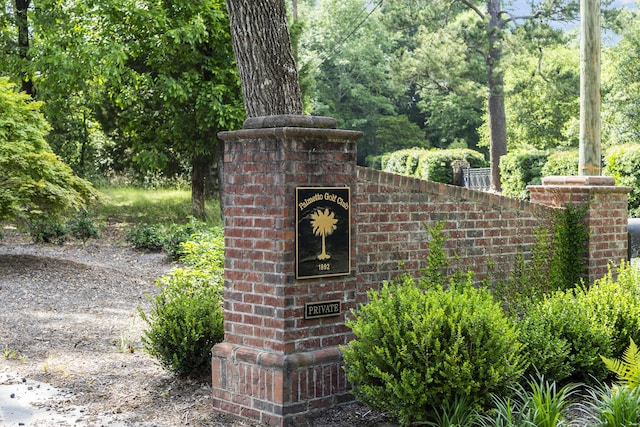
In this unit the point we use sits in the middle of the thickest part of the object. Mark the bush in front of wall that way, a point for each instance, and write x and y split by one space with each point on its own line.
416 347
616 301
565 338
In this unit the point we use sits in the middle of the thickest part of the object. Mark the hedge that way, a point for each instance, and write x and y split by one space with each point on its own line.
622 162
434 165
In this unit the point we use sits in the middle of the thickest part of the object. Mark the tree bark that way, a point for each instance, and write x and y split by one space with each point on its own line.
22 22
262 46
199 169
495 79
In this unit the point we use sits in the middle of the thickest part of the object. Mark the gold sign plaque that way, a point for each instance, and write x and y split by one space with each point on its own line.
323 232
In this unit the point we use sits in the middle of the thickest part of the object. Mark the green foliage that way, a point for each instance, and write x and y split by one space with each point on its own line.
542 100
569 332
186 318
617 302
434 165
529 279
156 237
613 406
561 163
177 234
457 412
150 237
82 227
33 181
540 405
204 248
434 274
397 133
352 69
416 348
558 262
627 369
47 231
565 337
623 163
519 169
568 264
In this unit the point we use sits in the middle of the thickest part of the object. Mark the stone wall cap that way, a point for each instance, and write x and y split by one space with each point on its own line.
579 180
300 121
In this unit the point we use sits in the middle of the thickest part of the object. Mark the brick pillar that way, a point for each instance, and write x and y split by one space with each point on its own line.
606 215
277 365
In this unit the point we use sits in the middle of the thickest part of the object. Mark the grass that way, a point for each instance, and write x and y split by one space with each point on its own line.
128 205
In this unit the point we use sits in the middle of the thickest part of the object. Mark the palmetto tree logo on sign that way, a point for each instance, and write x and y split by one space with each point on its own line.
324 224
323 232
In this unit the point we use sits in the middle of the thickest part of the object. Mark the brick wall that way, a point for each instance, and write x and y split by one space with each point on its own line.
485 231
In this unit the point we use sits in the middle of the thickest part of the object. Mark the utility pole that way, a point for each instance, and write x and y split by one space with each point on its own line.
590 151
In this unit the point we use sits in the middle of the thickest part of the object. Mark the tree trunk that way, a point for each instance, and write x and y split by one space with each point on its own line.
497 116
219 160
262 47
22 22
199 169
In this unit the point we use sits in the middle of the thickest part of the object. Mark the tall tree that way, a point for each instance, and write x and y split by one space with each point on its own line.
353 67
177 87
262 47
475 32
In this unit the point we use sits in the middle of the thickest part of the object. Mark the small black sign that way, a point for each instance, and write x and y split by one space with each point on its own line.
313 310
323 232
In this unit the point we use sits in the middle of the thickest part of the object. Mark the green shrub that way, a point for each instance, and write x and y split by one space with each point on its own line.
519 169
416 348
434 165
622 162
204 250
617 303
47 231
186 318
561 163
185 321
177 234
147 237
403 162
82 227
565 338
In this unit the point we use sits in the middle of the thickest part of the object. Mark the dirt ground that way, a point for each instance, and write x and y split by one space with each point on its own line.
70 343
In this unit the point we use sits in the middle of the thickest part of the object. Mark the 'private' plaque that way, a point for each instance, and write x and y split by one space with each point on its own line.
323 232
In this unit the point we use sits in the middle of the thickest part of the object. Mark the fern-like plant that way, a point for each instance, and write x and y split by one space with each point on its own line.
628 369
